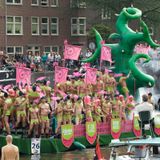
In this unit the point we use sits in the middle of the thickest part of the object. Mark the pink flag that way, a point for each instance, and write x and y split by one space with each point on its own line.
23 75
41 78
118 75
60 74
107 70
71 51
91 76
7 87
86 65
106 54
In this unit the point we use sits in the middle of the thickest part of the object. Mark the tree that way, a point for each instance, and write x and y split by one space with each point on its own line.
102 29
150 8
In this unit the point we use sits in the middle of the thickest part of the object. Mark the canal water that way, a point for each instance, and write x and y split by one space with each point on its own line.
86 154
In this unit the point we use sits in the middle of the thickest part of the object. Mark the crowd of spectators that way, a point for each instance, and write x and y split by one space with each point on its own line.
37 62
42 62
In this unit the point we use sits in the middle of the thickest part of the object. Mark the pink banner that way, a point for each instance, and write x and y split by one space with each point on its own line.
60 74
106 54
91 76
103 128
71 51
23 75
142 49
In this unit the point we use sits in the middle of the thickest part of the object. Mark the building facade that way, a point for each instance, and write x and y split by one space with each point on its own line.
43 25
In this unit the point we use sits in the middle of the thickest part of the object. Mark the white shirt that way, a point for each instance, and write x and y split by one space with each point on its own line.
145 106
88 54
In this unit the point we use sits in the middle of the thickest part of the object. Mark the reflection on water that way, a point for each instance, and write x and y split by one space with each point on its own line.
87 154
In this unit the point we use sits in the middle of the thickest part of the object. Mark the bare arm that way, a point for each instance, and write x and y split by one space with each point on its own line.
17 156
2 158
129 74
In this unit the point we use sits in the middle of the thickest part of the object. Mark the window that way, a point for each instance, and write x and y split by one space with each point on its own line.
106 14
35 26
35 2
33 49
45 26
15 50
78 3
78 26
15 2
54 26
55 49
14 25
54 3
44 2
48 49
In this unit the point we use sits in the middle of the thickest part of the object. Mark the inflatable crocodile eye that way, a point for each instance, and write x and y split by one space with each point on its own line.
132 13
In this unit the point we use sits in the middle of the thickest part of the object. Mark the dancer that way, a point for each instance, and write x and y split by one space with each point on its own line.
122 82
68 111
7 110
21 104
44 111
78 110
59 114
33 119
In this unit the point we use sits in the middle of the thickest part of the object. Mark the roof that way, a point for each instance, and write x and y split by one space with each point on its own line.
147 141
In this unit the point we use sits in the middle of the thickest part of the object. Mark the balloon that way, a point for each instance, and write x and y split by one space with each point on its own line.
122 51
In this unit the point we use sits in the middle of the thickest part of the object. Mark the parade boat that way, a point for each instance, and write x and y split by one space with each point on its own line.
138 149
81 136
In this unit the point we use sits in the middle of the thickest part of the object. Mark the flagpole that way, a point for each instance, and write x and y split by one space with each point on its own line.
100 65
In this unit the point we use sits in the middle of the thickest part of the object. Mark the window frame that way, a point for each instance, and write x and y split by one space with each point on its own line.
107 14
57 24
13 2
51 47
57 3
37 27
47 26
33 49
78 25
35 4
78 4
47 3
14 24
14 49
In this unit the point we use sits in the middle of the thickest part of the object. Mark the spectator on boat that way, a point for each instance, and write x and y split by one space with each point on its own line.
88 53
150 99
158 105
10 151
145 106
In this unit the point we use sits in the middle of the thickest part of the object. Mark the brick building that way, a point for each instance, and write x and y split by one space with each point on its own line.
43 25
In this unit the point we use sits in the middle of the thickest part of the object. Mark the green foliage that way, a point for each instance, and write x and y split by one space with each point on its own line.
150 8
102 29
